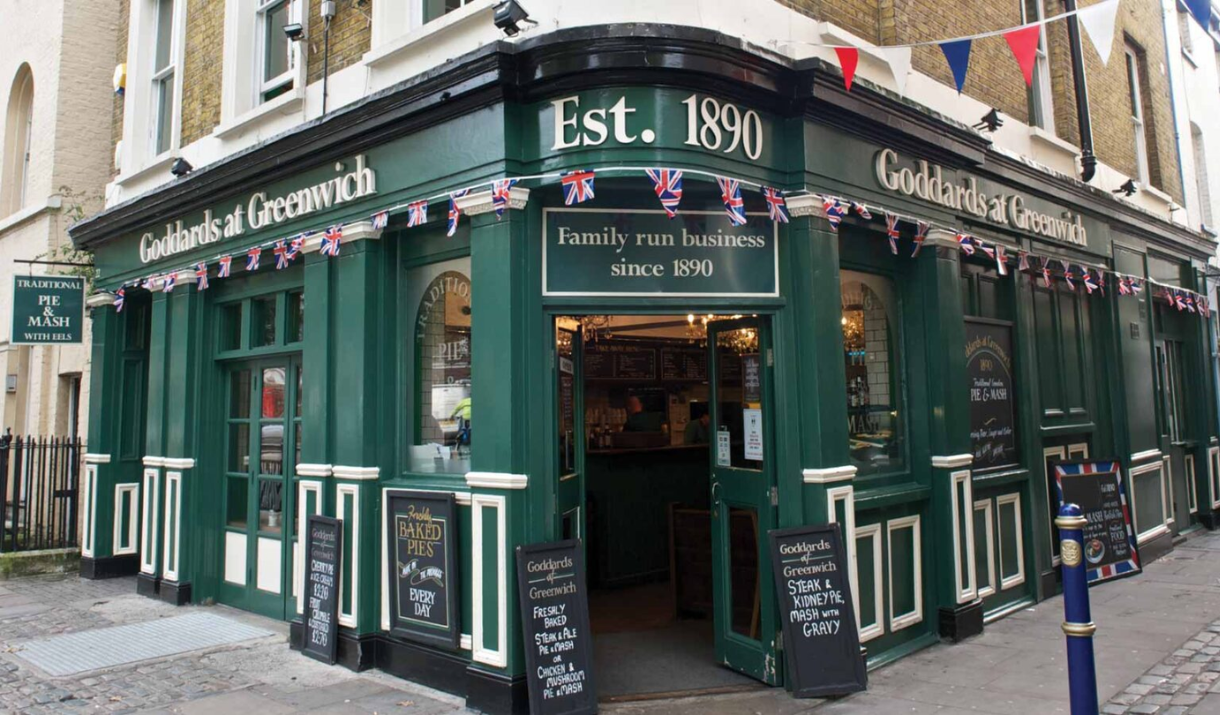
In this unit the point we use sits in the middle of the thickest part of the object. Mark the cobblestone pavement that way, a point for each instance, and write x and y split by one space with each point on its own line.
1186 681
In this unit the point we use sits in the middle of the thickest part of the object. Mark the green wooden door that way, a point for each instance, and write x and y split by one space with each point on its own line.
262 434
570 493
742 479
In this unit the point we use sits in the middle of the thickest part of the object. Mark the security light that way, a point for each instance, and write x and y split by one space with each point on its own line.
181 167
508 14
990 122
1127 189
294 31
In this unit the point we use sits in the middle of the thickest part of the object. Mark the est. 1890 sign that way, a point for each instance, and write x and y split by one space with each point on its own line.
47 309
633 252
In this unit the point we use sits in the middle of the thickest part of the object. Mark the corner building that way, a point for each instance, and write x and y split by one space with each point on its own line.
504 364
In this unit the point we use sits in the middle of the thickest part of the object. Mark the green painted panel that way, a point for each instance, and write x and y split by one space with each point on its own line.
865 566
490 595
902 558
1135 339
1049 378
982 546
1009 537
963 521
349 547
1070 339
1149 501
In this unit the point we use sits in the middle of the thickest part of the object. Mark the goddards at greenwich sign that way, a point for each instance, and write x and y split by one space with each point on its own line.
261 211
927 182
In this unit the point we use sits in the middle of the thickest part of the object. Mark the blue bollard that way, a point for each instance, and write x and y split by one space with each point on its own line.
1077 622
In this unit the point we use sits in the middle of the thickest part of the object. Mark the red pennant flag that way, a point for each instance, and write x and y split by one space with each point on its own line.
1024 44
849 57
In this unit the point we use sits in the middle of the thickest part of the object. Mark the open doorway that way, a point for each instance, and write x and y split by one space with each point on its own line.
652 420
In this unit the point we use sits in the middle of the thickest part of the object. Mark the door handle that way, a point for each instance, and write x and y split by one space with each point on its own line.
715 494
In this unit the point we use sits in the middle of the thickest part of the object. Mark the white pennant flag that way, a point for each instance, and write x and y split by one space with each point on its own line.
1098 23
899 60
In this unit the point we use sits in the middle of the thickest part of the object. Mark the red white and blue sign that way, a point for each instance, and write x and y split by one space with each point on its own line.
1096 486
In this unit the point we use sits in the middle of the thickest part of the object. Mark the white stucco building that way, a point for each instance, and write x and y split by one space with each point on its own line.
1194 68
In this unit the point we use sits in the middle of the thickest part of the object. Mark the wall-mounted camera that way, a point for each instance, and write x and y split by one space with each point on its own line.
294 31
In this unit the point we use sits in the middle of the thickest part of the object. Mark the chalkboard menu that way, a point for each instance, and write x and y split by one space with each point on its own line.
993 432
752 383
819 621
555 613
323 545
682 364
620 361
422 563
1110 547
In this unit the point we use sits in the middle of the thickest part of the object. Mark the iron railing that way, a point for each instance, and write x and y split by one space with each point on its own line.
39 488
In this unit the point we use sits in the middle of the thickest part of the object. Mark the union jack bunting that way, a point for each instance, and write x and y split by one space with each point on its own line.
499 195
965 243
1068 276
1087 280
1001 260
862 210
149 283
120 296
1205 308
381 219
921 235
1190 302
281 255
1108 565
454 212
891 231
734 206
1179 301
1168 296
1101 281
834 210
1046 273
776 205
577 186
171 279
1022 261
252 258
295 245
1136 285
1124 285
667 183
201 276
331 240
226 267
417 213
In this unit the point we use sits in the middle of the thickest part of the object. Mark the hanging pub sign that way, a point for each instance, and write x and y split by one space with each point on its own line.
422 566
1096 486
993 434
637 252
323 545
555 614
819 621
48 310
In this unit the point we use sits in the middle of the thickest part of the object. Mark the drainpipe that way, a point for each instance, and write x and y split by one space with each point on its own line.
328 14
1088 162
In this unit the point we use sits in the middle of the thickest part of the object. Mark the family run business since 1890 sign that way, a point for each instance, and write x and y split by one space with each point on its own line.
47 309
633 252
423 566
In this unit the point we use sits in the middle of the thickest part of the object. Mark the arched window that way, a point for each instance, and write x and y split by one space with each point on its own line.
18 126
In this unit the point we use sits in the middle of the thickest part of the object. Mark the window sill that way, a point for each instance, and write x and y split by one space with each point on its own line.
1190 58
451 22
158 165
286 103
29 212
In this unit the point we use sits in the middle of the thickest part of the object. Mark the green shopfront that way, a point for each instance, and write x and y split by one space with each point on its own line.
550 366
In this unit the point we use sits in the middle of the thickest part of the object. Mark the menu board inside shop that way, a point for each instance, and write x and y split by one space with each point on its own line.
422 565
1110 547
993 433
620 361
555 616
323 546
680 364
820 636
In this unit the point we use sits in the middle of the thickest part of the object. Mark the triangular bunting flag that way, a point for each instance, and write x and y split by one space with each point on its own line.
899 59
1023 42
849 57
957 53
1098 23
1201 9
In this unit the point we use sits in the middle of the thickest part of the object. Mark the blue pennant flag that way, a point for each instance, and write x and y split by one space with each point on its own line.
1201 9
957 52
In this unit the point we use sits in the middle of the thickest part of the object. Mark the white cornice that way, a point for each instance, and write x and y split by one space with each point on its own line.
178 463
154 461
480 203
314 470
941 237
805 205
97 458
953 461
352 232
99 300
496 480
828 475
1146 454
356 473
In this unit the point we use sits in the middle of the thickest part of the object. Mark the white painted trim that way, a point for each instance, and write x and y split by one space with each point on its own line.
313 470
154 461
356 473
385 551
479 653
298 560
89 510
343 492
479 202
846 494
392 38
984 505
873 531
1145 455
235 557
1213 475
97 458
1167 492
898 622
1019 577
100 299
179 463
1192 491
1079 450
805 205
829 475
173 503
352 232
148 520
1059 452
953 461
131 493
1161 528
969 591
269 564
496 480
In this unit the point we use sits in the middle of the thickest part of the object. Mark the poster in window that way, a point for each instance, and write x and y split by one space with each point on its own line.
422 564
993 434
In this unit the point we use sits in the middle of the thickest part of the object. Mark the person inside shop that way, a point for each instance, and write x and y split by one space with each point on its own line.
461 413
697 429
639 420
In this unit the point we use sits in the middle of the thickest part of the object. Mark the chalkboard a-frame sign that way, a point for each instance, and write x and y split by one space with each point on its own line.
323 546
422 563
1111 549
819 620
558 643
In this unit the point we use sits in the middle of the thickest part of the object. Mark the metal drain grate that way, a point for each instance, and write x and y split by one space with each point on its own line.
74 653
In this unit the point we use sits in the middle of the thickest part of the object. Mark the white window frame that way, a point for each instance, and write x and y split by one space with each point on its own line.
905 620
1192 491
1042 107
241 101
138 152
1019 577
163 79
1162 528
966 592
399 25
1138 125
263 84
984 505
1213 475
1202 181
877 628
1061 453
1184 22
846 494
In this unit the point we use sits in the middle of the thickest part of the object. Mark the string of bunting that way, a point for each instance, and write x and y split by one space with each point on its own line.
578 187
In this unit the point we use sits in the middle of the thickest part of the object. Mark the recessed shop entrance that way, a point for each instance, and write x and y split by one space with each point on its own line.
665 471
